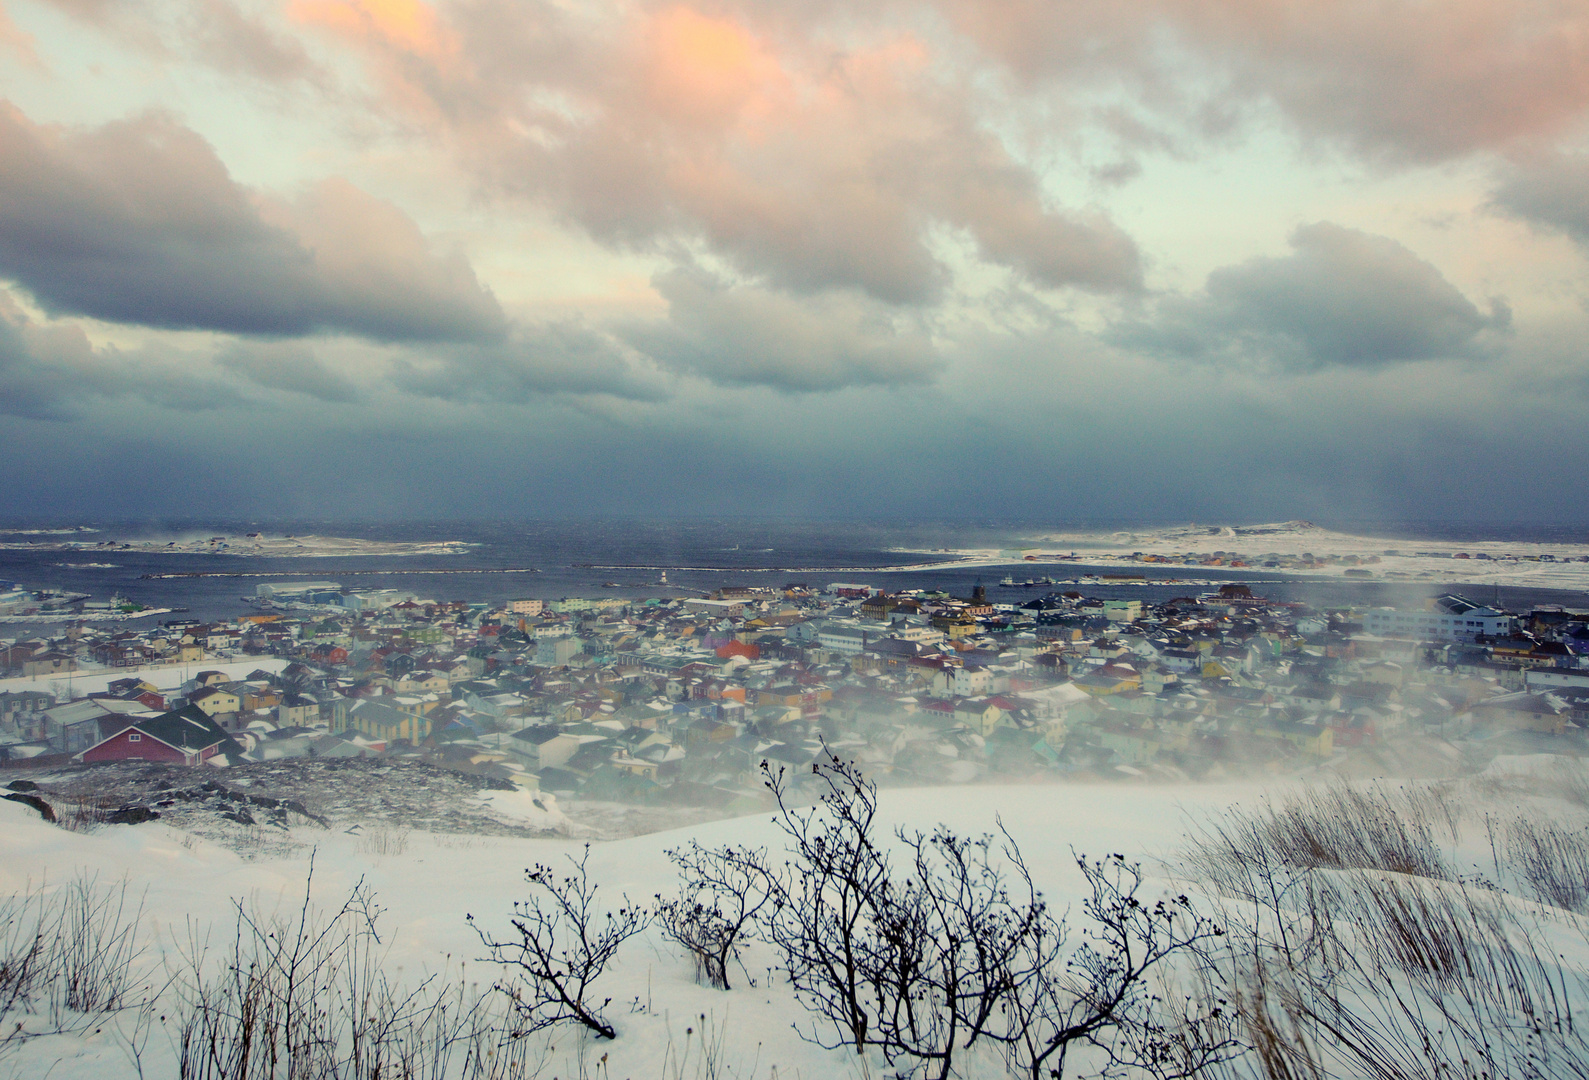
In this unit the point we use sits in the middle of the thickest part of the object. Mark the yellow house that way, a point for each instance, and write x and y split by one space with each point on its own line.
433 682
214 701
1315 739
981 716
955 626
1103 685
635 766
1217 669
384 722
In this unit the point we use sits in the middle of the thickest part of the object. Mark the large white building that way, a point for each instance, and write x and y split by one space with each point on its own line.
848 637
1446 618
282 589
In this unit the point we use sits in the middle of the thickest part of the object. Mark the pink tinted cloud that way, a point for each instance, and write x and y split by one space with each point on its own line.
15 41
806 162
1393 79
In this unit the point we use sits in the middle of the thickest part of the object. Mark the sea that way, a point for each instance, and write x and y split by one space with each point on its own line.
555 559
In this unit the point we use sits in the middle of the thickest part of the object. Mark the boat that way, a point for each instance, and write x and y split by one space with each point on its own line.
1007 581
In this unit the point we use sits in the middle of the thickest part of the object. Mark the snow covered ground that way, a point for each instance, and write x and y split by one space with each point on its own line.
437 880
1484 562
428 884
255 544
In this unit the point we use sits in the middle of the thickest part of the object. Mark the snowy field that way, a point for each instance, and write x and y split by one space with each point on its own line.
251 544
1529 565
669 1025
429 886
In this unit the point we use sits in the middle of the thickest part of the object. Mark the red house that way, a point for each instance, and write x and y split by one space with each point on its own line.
185 736
150 697
739 648
330 654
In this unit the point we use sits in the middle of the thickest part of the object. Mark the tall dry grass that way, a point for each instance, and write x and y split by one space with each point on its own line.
1358 951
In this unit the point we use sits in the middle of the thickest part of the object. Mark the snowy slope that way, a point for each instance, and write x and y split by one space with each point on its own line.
1435 562
429 883
429 888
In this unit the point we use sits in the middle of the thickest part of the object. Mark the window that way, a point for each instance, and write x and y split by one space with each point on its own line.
135 737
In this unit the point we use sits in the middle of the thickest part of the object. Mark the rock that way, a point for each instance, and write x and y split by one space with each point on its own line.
22 785
132 815
46 811
242 817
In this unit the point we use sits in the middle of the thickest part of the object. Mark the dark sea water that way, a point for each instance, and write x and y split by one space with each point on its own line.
549 560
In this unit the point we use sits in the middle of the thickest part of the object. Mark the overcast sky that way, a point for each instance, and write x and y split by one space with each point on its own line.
1037 259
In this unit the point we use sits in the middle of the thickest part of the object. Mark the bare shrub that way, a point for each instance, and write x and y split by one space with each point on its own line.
68 956
87 812
308 996
721 894
821 920
563 947
25 942
955 949
98 950
1108 993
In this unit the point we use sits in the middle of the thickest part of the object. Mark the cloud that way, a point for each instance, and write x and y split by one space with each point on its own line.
233 40
807 164
533 362
138 221
286 365
1389 80
1553 194
744 336
1386 80
48 371
12 38
1343 298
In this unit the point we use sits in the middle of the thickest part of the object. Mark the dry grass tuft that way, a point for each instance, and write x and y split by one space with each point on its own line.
382 839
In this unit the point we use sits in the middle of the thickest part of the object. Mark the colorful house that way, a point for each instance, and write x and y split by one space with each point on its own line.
185 736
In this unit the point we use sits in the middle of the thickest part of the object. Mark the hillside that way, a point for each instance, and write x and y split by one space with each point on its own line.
427 884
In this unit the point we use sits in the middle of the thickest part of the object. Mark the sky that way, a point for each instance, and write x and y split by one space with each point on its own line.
1041 259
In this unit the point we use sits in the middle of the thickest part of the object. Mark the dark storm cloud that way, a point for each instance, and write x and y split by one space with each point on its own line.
534 361
49 372
138 222
1052 426
1343 298
1553 194
747 336
286 365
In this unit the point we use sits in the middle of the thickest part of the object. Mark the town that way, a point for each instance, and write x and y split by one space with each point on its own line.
678 701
